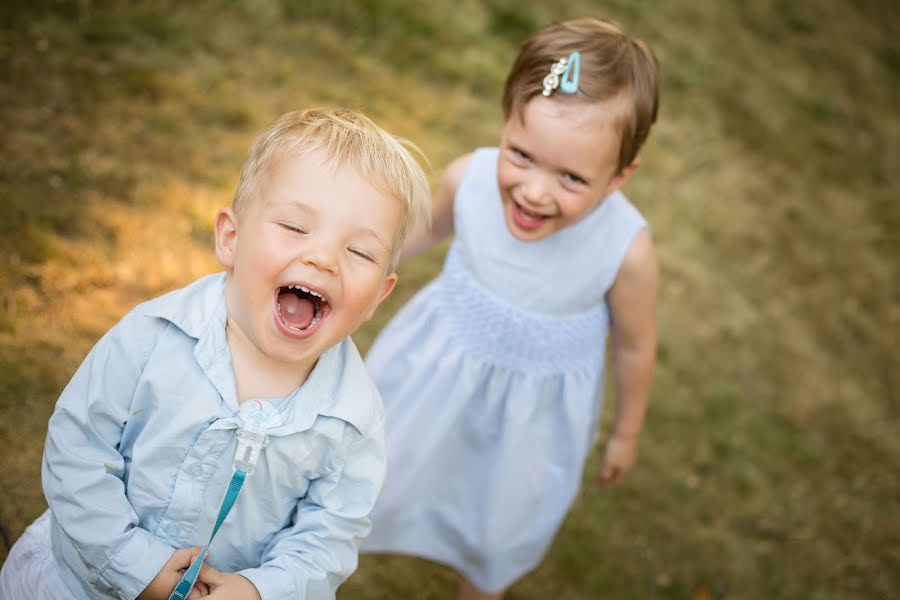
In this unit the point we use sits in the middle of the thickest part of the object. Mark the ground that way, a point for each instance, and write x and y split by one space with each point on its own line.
769 465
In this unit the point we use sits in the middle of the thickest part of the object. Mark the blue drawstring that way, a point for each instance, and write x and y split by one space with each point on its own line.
190 576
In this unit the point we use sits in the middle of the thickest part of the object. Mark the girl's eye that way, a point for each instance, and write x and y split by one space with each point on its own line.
363 254
293 227
519 154
572 178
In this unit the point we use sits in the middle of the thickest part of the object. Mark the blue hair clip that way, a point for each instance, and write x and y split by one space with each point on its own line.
569 83
564 75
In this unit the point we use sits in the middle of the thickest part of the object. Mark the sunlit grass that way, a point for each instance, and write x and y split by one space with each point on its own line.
769 464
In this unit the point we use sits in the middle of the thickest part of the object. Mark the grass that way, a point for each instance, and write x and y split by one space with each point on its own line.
769 462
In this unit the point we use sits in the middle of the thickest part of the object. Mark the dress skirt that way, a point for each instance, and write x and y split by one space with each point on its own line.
487 433
30 571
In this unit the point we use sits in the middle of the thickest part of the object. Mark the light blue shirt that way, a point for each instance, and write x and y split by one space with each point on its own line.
139 453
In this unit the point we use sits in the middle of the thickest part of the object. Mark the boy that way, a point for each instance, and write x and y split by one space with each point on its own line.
139 449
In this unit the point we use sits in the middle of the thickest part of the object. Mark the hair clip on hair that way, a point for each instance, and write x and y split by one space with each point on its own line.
564 75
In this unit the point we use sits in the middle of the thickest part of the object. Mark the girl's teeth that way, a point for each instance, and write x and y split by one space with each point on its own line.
528 213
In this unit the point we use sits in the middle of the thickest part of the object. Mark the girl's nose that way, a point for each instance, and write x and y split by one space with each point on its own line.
535 190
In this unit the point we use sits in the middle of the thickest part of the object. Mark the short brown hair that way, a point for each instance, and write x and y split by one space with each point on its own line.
613 66
346 138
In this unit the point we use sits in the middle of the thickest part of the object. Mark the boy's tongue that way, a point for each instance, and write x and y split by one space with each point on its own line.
296 312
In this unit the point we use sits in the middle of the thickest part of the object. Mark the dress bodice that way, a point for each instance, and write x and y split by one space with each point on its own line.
566 273
536 306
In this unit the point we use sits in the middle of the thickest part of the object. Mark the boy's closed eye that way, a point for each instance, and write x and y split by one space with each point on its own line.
355 250
365 254
293 227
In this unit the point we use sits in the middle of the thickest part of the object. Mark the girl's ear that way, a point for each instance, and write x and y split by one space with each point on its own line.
226 237
623 176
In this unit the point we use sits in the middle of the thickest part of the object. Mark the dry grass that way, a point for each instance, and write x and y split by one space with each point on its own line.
769 465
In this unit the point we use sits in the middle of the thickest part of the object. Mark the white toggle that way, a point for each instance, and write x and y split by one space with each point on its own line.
257 417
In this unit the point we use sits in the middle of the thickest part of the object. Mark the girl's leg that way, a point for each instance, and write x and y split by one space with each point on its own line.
467 591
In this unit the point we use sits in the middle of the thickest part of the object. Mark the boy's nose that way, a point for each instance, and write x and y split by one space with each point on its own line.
321 257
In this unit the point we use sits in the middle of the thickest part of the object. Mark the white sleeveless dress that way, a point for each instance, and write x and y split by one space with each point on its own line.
492 380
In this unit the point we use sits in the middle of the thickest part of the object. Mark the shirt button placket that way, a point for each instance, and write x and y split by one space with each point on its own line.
183 507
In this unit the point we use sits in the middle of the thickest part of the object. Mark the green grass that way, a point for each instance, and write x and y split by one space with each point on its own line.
769 466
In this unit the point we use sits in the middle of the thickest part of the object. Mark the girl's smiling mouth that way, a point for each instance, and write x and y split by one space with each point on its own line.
300 310
525 218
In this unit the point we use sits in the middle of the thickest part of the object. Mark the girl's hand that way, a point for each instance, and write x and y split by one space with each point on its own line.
619 457
227 586
168 577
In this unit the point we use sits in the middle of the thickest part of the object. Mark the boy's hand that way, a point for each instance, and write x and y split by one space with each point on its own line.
228 586
619 457
168 577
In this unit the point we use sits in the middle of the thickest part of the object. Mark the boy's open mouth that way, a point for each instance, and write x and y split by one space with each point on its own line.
301 309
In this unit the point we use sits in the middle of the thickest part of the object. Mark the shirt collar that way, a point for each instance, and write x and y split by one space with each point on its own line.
338 386
197 309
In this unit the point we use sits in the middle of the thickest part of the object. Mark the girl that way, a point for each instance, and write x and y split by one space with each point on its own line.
492 375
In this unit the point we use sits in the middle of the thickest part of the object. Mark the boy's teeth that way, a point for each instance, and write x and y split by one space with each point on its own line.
305 289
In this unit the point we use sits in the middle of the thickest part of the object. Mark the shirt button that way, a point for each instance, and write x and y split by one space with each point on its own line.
195 470
172 529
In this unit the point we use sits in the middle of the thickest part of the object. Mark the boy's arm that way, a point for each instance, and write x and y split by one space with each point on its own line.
313 556
632 300
82 472
423 237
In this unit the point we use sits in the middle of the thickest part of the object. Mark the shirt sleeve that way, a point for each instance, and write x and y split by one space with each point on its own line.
319 551
97 532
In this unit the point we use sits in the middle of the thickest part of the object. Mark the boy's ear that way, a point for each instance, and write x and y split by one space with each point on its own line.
387 287
226 237
622 176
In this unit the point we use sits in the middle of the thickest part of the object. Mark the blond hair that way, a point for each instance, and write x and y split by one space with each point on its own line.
614 66
346 138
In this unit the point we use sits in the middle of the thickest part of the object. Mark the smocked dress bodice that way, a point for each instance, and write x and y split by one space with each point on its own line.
537 305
